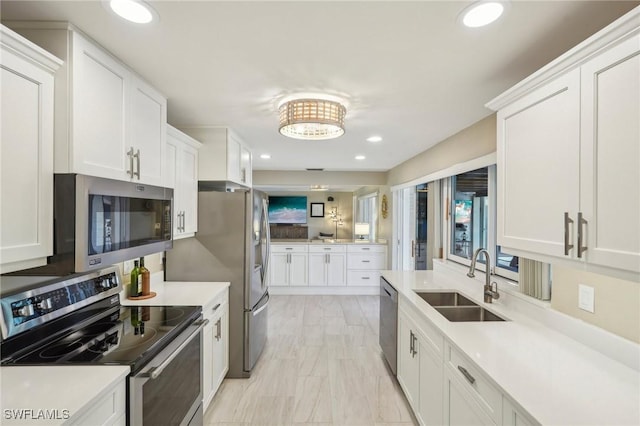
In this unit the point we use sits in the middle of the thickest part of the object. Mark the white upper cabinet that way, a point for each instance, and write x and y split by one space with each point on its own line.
109 123
223 156
26 152
569 156
610 156
182 175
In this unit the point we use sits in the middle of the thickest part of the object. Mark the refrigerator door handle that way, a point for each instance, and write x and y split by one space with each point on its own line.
263 307
267 243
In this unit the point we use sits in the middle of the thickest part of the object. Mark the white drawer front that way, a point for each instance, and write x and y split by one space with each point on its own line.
326 248
294 248
368 248
216 306
366 261
486 394
363 278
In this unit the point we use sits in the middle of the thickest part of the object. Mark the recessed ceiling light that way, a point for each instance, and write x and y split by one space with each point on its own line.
133 10
482 13
374 139
265 156
318 187
360 157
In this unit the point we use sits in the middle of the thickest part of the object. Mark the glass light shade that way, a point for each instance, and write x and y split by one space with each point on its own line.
312 119
362 228
132 10
482 13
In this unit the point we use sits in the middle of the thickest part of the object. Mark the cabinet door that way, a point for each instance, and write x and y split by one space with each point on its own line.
233 159
171 181
279 267
460 408
189 187
208 362
99 106
220 346
610 199
245 166
430 392
538 166
317 269
337 269
298 269
26 160
148 120
408 366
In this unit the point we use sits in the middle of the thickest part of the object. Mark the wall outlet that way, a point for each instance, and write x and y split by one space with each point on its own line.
586 298
127 266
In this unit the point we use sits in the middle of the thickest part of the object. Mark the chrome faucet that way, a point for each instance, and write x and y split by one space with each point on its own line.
489 293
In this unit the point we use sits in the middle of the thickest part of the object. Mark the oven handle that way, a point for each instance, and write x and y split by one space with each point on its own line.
155 372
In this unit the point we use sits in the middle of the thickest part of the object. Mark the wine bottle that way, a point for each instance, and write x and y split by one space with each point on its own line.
145 279
135 278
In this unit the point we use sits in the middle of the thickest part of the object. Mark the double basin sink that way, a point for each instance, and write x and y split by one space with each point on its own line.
457 308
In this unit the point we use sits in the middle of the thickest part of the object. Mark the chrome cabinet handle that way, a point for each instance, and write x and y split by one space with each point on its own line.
366 248
130 154
137 157
367 278
215 308
183 220
567 222
155 372
411 342
466 374
415 351
581 223
366 261
218 329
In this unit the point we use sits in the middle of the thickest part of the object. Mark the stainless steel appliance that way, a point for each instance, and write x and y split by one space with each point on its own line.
99 222
79 320
388 335
232 244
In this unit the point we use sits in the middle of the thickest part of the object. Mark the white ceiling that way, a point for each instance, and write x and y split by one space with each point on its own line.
408 70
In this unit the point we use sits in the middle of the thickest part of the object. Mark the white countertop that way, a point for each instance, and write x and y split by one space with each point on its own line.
327 241
177 293
57 388
556 379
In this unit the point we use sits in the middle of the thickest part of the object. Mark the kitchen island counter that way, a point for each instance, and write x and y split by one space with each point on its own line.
553 377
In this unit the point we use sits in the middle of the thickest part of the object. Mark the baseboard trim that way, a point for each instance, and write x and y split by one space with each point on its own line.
309 291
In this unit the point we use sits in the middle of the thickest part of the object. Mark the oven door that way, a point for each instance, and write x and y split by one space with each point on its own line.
168 390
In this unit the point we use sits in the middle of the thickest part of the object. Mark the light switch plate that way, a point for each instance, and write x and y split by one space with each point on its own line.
586 298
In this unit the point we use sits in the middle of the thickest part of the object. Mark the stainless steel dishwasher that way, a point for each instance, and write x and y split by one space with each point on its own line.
389 323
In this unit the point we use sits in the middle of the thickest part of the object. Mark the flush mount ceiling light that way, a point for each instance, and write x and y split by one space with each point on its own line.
360 157
318 187
374 139
135 11
482 13
265 156
312 119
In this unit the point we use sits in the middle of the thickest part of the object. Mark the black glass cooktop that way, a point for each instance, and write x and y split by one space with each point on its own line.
122 335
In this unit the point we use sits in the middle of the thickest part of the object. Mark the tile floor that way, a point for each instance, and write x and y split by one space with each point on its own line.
322 365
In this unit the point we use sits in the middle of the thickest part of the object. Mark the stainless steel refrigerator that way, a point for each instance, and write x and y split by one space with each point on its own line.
232 244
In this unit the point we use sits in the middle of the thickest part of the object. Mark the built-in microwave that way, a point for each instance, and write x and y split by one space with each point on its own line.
99 222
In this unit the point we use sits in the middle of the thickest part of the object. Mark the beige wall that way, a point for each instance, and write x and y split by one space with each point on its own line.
152 262
342 200
475 141
617 302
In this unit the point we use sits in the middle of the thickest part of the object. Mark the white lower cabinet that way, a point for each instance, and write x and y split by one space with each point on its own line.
420 368
289 266
512 416
460 407
327 266
216 346
109 410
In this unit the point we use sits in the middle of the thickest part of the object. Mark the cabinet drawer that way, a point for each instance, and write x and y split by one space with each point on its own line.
483 391
366 261
217 305
107 411
363 278
325 248
294 248
371 248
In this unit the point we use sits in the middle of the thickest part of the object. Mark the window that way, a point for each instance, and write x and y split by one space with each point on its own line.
471 207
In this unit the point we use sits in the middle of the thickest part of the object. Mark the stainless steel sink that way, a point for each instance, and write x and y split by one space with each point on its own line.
457 308
448 298
467 313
